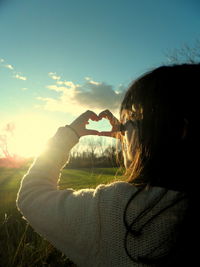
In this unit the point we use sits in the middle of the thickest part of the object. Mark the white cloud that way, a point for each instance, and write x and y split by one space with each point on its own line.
88 78
56 88
67 84
20 77
76 98
53 76
9 66
16 75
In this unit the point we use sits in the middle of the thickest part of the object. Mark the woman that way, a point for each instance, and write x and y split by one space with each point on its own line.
141 222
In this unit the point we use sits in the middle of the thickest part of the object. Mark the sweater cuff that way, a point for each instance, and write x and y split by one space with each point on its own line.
64 139
57 150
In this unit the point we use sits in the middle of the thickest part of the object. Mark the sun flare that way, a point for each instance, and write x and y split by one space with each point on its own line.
30 135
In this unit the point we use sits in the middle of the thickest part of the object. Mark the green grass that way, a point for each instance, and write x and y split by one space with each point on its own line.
20 246
88 178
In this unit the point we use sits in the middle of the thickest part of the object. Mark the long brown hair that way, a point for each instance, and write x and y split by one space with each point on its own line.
163 103
164 107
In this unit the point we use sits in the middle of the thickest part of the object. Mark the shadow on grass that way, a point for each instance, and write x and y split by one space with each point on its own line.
21 246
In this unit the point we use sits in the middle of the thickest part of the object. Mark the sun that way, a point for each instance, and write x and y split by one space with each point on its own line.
31 134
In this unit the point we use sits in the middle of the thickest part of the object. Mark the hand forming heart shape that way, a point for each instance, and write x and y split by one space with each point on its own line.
79 125
100 125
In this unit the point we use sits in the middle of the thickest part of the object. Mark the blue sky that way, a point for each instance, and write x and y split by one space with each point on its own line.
58 58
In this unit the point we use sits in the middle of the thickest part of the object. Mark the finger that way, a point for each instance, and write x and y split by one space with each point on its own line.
91 115
104 133
105 114
108 134
84 118
91 132
108 115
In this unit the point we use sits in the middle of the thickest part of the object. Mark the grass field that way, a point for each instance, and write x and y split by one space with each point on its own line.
19 244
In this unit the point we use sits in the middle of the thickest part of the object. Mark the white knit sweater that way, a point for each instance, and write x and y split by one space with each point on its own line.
87 225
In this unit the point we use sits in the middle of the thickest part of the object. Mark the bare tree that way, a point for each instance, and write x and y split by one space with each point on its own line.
7 157
4 140
92 147
185 54
4 146
110 153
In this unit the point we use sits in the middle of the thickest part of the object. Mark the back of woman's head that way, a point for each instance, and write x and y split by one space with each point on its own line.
164 104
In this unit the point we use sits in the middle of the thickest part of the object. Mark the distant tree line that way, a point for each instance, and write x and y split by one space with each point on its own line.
89 153
94 154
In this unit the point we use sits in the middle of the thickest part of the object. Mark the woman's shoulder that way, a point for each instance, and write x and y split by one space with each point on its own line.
146 190
143 194
117 186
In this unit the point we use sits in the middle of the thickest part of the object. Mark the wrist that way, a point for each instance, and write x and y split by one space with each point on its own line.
70 127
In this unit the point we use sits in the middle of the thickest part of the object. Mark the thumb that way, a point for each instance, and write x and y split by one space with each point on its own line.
91 132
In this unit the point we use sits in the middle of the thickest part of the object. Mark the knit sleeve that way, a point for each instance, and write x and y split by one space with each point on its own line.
68 219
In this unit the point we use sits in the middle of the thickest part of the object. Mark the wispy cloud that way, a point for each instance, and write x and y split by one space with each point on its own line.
20 77
9 66
76 98
16 74
54 76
